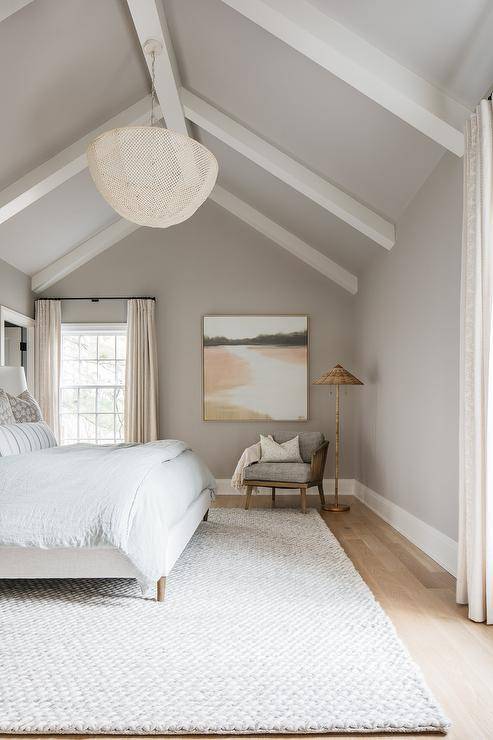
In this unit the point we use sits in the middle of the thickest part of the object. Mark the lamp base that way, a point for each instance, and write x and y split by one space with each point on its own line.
336 507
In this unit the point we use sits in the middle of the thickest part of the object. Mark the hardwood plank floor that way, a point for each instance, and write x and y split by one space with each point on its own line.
455 655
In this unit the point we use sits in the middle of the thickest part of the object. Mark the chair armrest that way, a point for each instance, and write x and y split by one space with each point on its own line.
317 463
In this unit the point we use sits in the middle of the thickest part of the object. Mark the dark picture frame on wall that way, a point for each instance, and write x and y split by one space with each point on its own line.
255 367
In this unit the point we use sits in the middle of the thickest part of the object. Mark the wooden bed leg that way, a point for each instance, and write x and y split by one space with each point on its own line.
160 589
206 516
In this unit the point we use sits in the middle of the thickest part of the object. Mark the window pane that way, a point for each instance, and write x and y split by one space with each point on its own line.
121 346
120 400
106 347
68 401
88 347
87 400
106 426
106 400
119 431
68 426
92 410
106 372
120 373
70 347
88 372
87 427
70 372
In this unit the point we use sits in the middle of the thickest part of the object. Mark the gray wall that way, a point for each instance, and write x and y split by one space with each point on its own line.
407 349
15 290
214 263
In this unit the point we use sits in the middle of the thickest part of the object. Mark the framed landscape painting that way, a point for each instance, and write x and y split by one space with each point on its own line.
255 367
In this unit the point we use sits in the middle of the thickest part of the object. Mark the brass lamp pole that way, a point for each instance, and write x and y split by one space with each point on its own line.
337 376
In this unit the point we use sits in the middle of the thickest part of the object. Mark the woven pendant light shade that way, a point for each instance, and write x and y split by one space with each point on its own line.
337 376
151 176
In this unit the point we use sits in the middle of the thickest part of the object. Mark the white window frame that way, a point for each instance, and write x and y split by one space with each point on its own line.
98 329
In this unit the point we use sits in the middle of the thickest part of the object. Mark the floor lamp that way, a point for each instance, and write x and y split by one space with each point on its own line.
337 376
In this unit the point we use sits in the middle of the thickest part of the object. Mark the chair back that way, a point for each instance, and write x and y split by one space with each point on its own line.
309 442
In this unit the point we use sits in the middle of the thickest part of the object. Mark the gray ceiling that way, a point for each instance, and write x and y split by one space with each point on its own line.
66 66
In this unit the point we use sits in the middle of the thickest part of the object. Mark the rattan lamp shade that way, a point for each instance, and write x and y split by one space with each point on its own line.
337 376
151 176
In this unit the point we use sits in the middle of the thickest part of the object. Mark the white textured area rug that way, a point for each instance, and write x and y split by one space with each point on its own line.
267 627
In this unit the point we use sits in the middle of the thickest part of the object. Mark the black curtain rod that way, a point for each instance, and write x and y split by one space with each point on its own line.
104 298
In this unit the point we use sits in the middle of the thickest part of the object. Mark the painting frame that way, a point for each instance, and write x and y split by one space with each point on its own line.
304 316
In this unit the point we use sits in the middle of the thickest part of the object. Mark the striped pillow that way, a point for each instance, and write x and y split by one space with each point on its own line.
16 439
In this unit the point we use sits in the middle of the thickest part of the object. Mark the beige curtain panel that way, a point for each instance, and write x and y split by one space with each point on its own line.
475 566
141 377
47 352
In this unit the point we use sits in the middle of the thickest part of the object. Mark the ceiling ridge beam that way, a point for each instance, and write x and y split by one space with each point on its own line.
150 23
83 253
286 239
287 169
64 165
361 65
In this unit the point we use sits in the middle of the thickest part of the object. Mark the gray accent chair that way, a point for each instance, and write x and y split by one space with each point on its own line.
309 473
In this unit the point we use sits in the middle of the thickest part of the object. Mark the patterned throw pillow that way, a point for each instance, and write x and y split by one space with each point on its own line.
272 451
25 407
6 415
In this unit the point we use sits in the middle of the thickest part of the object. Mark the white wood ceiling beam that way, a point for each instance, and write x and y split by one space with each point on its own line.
84 252
363 66
64 165
9 7
288 170
285 239
150 23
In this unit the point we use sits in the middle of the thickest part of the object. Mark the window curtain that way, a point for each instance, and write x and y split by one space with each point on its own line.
141 374
475 562
47 352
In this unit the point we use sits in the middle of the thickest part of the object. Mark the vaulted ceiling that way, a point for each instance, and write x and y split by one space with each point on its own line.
326 116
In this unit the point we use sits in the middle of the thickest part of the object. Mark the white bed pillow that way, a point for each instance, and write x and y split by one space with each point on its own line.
273 452
16 439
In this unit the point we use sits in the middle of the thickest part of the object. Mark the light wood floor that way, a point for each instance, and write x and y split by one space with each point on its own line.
455 655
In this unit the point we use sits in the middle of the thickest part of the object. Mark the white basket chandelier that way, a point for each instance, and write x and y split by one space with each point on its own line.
151 176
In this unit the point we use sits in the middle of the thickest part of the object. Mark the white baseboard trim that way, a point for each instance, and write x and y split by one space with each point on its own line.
438 546
435 544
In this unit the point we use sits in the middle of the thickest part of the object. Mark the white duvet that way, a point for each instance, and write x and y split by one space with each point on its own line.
124 496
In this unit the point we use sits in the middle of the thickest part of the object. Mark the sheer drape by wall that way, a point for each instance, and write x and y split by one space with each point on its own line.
141 377
47 351
475 567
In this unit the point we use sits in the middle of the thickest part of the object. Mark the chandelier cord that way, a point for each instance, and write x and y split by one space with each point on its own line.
153 87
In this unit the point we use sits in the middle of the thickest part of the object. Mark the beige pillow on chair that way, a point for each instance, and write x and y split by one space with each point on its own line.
273 452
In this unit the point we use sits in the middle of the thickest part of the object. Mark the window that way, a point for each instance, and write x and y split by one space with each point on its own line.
92 388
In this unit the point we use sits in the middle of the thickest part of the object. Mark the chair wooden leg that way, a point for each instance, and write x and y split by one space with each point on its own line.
321 494
248 497
160 589
303 500
206 516
273 496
